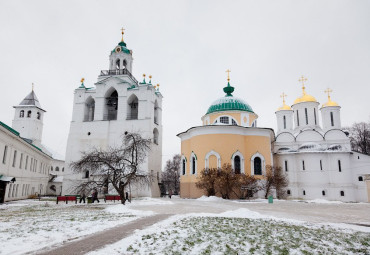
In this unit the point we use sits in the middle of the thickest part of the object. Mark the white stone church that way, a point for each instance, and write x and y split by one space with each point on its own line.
103 113
318 158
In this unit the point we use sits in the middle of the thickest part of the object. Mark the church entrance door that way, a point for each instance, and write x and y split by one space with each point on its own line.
2 191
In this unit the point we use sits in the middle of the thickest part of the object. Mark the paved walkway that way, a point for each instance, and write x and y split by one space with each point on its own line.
98 240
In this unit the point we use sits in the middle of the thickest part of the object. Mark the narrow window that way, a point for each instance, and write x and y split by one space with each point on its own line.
288 191
284 122
320 164
155 136
304 193
25 167
52 168
31 164
286 165
14 158
5 152
193 165
57 168
87 174
360 179
342 193
257 166
21 114
183 167
314 115
237 165
305 112
21 161
303 167
29 113
10 189
332 119
63 169
339 166
323 193
297 119
38 115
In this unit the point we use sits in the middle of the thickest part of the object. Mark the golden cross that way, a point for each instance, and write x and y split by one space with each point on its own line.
303 80
328 90
123 31
228 75
82 80
283 96
144 75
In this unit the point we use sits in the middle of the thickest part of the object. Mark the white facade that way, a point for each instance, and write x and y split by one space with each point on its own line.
117 104
24 168
318 160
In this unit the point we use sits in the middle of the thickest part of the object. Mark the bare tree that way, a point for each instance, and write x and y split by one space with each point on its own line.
247 186
118 166
227 181
275 178
171 175
360 137
207 180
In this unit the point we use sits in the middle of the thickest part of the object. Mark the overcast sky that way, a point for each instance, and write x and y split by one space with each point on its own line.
187 46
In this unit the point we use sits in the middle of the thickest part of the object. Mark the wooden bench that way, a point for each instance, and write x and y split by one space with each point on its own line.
66 198
112 197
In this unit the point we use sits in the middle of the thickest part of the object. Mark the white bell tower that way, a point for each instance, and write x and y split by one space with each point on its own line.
120 58
330 112
284 117
28 118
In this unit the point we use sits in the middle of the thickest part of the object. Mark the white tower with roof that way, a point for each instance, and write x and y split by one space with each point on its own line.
102 114
28 118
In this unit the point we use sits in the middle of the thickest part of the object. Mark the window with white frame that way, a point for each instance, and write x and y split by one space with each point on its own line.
224 120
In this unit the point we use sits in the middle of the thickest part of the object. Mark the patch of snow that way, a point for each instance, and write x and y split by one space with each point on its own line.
210 199
125 209
323 201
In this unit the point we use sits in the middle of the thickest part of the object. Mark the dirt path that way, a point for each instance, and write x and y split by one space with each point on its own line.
100 239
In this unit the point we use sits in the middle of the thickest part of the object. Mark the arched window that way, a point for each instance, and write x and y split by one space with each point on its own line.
38 115
304 192
342 193
156 112
29 113
224 120
89 109
314 115
133 108
193 163
305 112
297 119
257 166
212 160
183 167
63 169
155 136
323 193
118 64
87 174
52 168
111 102
288 191
21 114
360 179
57 168
124 64
237 165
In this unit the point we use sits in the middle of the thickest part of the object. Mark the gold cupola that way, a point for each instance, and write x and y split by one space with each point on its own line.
284 107
305 97
329 103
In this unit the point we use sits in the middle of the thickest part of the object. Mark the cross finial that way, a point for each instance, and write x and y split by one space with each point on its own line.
283 96
228 75
33 86
123 31
328 91
82 80
303 80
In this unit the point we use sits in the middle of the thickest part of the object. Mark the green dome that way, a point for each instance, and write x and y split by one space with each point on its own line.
229 103
123 48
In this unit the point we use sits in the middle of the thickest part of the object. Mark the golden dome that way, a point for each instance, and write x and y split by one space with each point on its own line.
329 103
305 98
284 107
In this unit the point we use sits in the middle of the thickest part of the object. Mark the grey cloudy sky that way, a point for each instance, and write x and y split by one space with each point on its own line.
187 46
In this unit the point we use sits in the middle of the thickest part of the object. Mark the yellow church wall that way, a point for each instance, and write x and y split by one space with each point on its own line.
225 145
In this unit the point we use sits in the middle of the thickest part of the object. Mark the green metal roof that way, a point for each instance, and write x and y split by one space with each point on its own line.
229 103
123 48
9 128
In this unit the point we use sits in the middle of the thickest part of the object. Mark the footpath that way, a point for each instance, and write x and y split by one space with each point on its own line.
99 240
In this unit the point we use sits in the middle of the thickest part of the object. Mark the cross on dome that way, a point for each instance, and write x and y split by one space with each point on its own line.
283 96
228 75
303 80
328 91
228 89
123 31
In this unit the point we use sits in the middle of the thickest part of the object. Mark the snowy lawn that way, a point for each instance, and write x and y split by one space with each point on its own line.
229 233
29 225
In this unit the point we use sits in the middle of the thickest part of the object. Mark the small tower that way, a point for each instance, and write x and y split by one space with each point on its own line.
330 112
305 110
120 58
28 118
284 117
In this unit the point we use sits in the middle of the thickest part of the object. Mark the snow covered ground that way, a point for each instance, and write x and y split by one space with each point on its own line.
30 225
207 225
240 232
